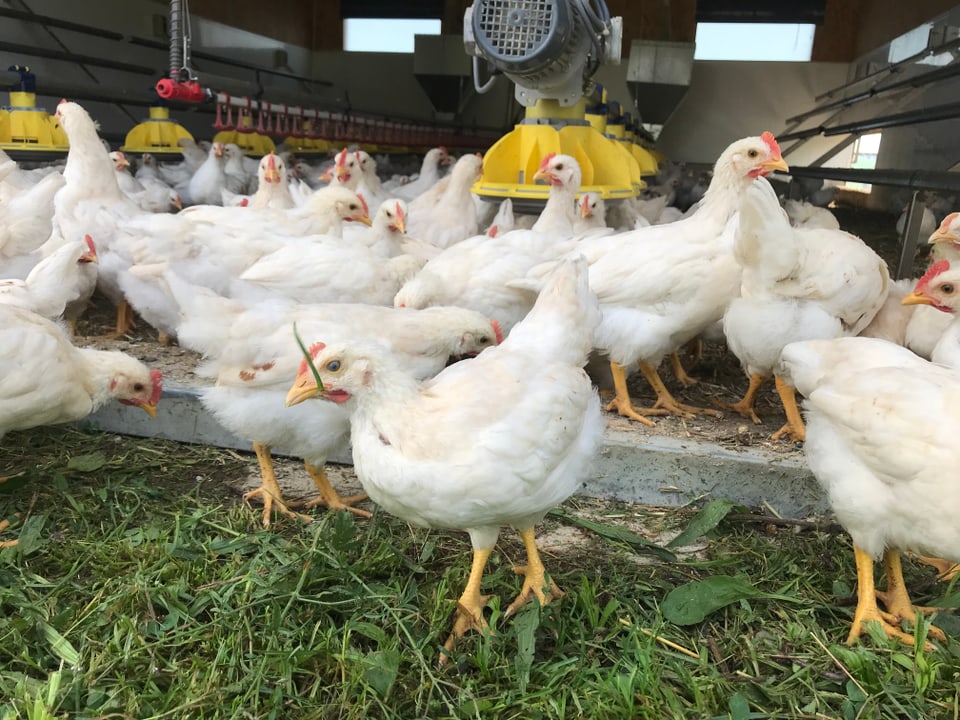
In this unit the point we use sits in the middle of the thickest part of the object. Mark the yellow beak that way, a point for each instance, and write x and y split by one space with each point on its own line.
542 175
304 388
149 408
365 219
916 298
776 164
939 236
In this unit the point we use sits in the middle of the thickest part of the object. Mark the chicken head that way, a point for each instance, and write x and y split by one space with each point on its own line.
343 370
754 157
948 232
132 384
559 170
938 288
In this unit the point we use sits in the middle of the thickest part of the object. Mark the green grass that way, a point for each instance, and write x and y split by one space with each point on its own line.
143 589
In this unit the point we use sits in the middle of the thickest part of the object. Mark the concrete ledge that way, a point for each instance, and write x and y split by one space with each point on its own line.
648 469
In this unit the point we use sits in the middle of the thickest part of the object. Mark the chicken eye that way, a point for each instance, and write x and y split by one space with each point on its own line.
947 289
560 166
138 387
484 339
752 153
333 365
353 206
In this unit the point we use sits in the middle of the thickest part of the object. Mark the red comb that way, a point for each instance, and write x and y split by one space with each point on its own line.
399 211
497 331
62 101
771 143
443 149
366 210
156 378
492 232
341 158
313 352
585 202
245 202
271 163
940 266
90 246
546 160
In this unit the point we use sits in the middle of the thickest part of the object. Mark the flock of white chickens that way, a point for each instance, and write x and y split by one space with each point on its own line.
386 282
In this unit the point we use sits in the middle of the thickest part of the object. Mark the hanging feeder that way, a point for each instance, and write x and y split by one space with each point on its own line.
23 125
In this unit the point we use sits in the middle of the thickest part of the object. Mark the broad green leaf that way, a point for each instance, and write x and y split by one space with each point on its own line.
87 463
703 522
693 602
617 534
382 669
61 646
525 624
739 707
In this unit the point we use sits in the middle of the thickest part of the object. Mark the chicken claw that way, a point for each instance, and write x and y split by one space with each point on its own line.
745 407
621 402
470 605
679 373
665 401
330 497
269 489
946 569
794 426
867 610
535 578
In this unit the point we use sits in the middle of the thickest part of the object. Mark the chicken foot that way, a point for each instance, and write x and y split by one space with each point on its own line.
665 401
126 321
470 605
867 609
330 497
535 582
794 427
679 373
746 406
946 569
896 599
4 524
621 401
269 489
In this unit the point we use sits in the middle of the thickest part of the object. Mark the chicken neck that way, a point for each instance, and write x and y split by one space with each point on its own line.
535 583
330 497
269 489
558 215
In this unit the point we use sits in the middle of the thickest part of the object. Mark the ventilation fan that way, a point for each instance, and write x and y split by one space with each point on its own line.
550 49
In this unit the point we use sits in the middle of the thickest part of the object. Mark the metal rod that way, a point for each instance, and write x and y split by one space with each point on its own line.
33 51
945 47
149 43
913 179
176 52
911 117
916 81
911 235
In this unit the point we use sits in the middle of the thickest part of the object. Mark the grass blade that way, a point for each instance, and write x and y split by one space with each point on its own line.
306 356
617 534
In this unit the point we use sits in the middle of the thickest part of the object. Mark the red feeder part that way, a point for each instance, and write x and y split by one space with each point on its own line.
187 91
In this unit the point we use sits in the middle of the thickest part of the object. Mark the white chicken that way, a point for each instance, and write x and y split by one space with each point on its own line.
661 286
452 218
939 288
235 175
807 215
882 425
433 160
209 179
497 440
254 354
26 221
592 212
477 273
797 284
273 190
386 235
54 282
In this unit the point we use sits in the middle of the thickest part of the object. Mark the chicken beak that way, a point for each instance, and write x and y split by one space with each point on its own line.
401 225
149 408
304 388
777 163
218 150
177 203
122 162
939 236
543 175
916 298
585 208
342 175
365 219
272 176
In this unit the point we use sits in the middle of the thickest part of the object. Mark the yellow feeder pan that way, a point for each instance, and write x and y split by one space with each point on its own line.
157 134
618 134
24 126
250 142
305 143
510 164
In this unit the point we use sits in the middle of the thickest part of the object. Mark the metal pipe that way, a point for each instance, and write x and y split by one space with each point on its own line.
911 117
911 236
916 81
889 69
33 51
912 179
176 51
148 43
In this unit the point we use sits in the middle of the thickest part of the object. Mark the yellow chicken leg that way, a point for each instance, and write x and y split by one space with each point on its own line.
679 373
896 599
269 489
470 605
867 610
695 348
621 401
535 577
330 497
665 401
794 427
746 406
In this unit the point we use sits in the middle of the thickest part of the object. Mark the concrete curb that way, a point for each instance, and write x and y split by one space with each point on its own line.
651 470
